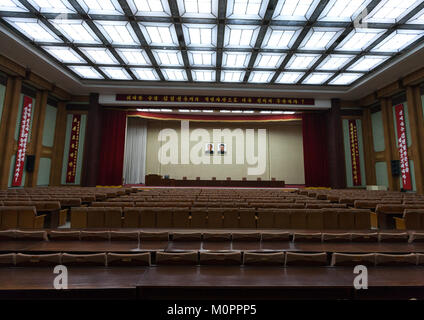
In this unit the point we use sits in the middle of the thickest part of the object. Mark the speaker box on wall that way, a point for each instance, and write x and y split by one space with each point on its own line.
395 164
30 161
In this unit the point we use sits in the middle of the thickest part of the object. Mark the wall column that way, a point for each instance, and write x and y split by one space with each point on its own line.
92 142
369 156
390 152
58 145
8 127
37 136
416 124
336 160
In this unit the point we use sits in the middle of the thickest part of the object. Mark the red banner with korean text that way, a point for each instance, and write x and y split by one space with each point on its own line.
402 147
71 167
25 124
354 153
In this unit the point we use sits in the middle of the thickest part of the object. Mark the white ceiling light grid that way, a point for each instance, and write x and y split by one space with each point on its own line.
269 60
134 56
317 78
240 36
116 73
391 11
398 40
52 6
86 72
168 57
174 74
203 75
99 55
261 76
417 19
235 59
159 34
64 54
157 8
289 77
301 61
359 39
12 5
198 8
246 9
146 74
77 31
202 58
320 38
109 7
232 76
118 32
200 35
33 29
280 37
335 62
343 10
367 63
344 79
300 10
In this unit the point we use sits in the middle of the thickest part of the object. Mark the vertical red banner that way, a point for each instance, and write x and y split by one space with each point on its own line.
354 153
402 147
25 124
71 167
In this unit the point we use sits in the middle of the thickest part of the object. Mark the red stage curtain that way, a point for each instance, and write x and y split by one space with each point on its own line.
111 162
315 150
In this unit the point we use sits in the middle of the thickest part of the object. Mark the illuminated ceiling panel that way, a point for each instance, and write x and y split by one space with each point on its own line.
278 42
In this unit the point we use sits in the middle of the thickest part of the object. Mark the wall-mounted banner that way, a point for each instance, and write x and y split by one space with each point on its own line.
71 167
22 142
402 147
214 99
354 153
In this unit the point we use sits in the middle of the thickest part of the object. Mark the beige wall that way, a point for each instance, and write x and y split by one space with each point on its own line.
284 155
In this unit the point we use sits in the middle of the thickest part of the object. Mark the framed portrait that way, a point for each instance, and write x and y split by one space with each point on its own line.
209 148
222 148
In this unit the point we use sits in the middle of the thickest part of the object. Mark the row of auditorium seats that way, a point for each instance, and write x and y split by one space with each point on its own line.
278 258
180 217
85 235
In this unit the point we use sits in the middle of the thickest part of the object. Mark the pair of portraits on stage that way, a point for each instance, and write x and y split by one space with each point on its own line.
221 148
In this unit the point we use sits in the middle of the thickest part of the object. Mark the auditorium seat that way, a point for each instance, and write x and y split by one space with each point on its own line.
420 259
314 219
336 237
30 235
346 219
331 220
393 237
124 235
307 237
215 218
39 260
128 260
7 260
7 234
364 237
247 218
395 259
186 236
131 217
352 260
95 217
78 218
266 218
298 218
198 217
416 237
154 236
96 259
217 236
24 217
95 235
306 259
220 258
113 217
164 217
275 236
412 219
362 219
64 235
177 258
263 259
148 217
246 236
181 217
282 218
231 218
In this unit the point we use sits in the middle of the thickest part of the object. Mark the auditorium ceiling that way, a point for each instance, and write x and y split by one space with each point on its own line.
332 45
